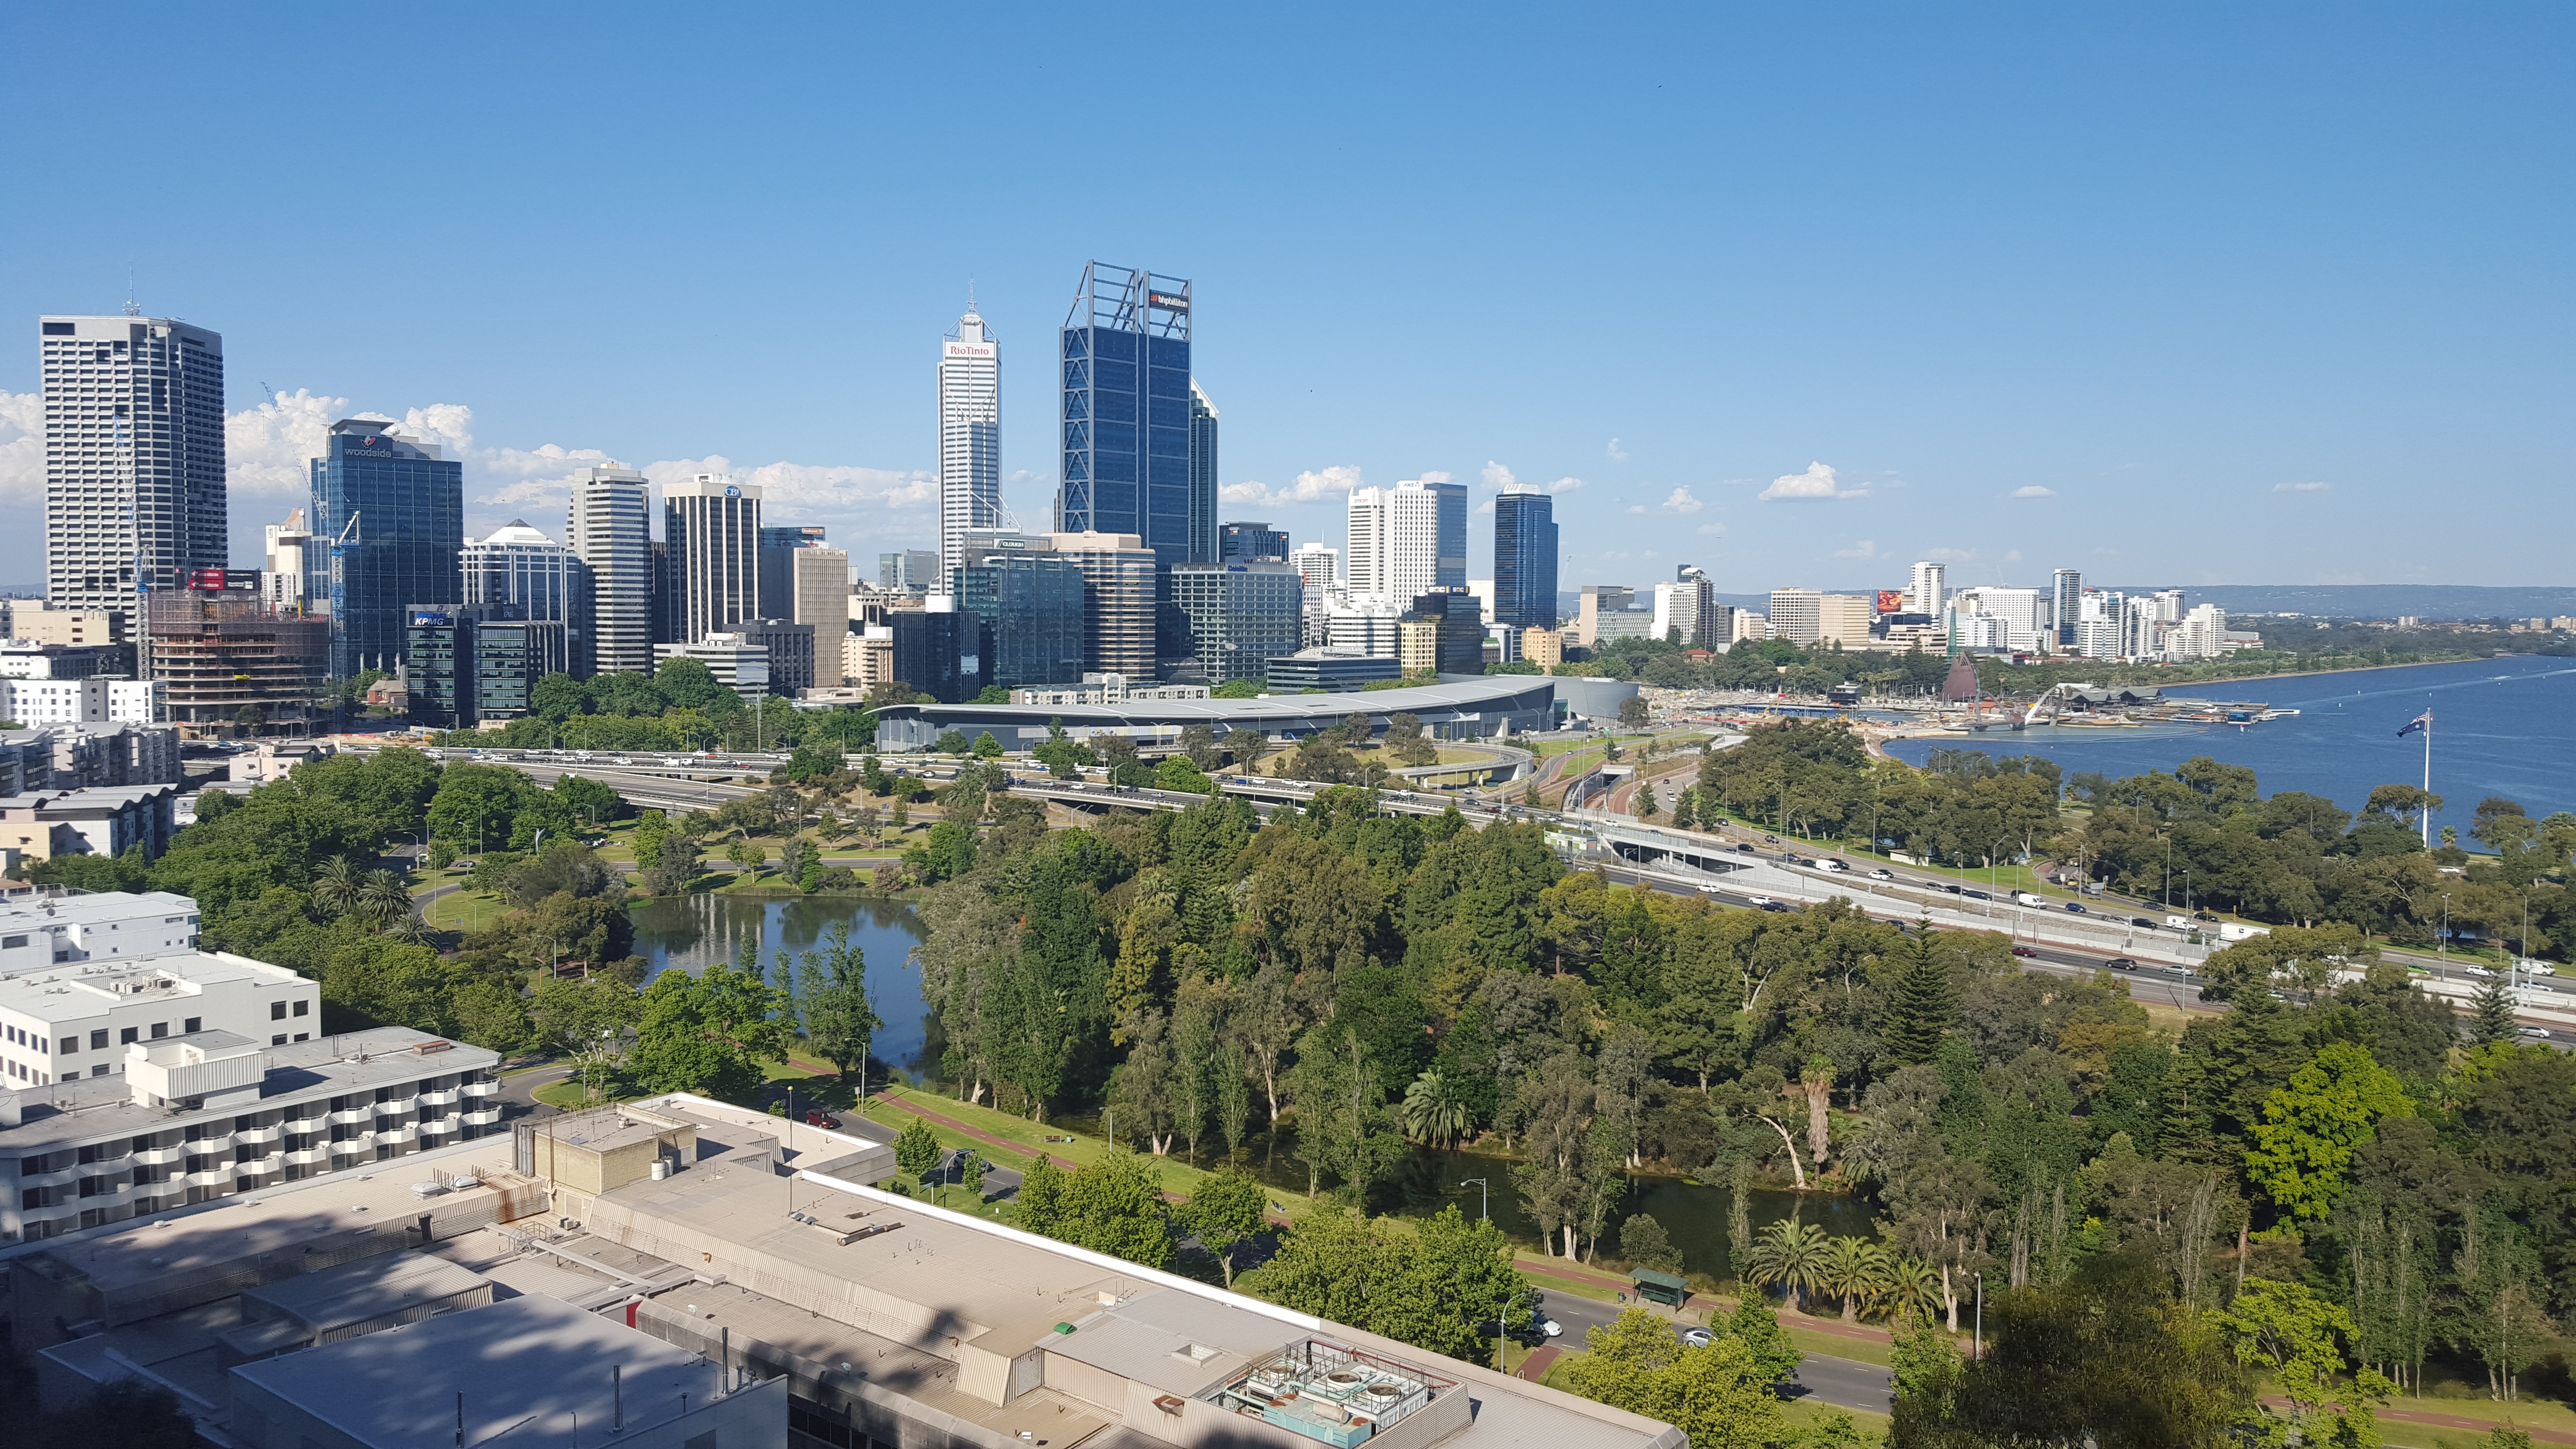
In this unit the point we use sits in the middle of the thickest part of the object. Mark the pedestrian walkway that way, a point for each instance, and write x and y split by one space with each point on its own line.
1535 1367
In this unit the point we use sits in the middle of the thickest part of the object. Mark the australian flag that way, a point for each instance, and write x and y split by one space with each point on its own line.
2422 721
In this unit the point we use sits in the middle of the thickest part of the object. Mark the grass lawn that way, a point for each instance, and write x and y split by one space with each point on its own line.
1834 1345
1807 1413
1026 1139
567 1094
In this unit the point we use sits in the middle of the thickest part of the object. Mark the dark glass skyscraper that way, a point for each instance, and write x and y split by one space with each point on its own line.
1525 560
1031 609
1125 354
409 507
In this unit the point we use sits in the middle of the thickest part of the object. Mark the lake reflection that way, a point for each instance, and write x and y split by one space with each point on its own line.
686 933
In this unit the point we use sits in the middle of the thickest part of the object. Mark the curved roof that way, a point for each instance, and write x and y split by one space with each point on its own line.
1498 693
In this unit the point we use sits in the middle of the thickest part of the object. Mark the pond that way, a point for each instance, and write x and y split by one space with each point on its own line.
687 933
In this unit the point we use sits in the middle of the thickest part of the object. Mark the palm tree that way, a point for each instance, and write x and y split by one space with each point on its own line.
337 884
1791 1254
1433 1112
382 899
1855 1269
1911 1286
409 929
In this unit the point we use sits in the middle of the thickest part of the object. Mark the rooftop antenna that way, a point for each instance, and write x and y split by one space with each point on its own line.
970 294
132 308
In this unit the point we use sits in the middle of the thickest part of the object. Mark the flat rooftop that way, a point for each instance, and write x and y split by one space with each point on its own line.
81 990
89 1108
532 1360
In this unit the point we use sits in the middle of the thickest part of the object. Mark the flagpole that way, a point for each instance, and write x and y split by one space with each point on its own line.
2428 779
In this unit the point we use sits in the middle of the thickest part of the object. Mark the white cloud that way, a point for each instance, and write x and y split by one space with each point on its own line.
1949 555
22 448
2302 487
1617 454
2034 491
1862 549
268 449
2013 557
1817 482
1498 476
1565 485
1637 508
1310 487
1713 530
1436 476
1682 502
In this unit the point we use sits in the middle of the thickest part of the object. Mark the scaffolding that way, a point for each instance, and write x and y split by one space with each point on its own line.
218 651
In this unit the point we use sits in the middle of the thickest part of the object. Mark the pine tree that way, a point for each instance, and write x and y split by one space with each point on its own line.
1924 1005
2493 1020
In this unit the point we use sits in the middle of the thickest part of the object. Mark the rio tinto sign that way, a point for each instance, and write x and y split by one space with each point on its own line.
967 349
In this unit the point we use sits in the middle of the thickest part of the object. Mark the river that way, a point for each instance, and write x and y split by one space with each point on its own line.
2501 727
688 933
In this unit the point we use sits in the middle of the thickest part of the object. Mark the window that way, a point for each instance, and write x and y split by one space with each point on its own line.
303 1036
12 941
303 1008
195 1025
277 1011
71 1044
160 1029
99 1071
98 1040
127 1035
278 1040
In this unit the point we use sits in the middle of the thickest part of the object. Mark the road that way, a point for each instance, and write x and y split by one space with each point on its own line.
1843 1382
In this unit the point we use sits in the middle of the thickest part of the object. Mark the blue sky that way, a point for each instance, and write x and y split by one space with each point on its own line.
2172 294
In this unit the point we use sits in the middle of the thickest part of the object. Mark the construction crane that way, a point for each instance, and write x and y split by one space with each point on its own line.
340 547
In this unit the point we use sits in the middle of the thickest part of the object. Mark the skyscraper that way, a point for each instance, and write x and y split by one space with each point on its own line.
408 507
970 433
134 458
1125 348
711 525
1525 560
1930 589
819 592
518 565
609 528
778 549
1395 541
1318 567
1450 566
1241 616
2066 593
1203 545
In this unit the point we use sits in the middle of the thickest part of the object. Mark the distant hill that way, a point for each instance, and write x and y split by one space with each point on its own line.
2333 601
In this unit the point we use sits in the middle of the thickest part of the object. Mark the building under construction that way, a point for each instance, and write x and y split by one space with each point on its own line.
220 651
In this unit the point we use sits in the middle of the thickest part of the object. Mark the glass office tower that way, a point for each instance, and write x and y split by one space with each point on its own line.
408 505
1032 612
1449 567
1125 352
1525 560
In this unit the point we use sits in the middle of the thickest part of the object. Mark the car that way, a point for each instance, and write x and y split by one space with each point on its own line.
1748 849
2121 963
462 864
2537 1033
2202 916
1882 873
821 1119
1775 840
1697 1338
1954 890
2024 951
2075 908
1761 903
1976 895
2173 968
2143 922
1551 1328
1774 906
2536 968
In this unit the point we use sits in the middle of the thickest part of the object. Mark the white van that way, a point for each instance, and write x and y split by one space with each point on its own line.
2027 899
2179 923
2239 931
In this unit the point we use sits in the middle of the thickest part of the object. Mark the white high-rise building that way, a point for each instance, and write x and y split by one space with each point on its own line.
970 435
711 532
1320 565
1677 611
284 558
1930 591
134 458
611 532
1395 541
518 564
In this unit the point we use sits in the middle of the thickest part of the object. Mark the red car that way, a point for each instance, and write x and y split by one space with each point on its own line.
821 1119
2024 951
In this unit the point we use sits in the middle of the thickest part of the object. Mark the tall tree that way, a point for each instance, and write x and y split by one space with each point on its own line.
832 996
1923 1005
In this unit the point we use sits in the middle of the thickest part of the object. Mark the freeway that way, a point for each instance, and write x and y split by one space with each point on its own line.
1843 1382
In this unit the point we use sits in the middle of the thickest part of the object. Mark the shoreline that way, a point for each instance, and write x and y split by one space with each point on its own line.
2370 668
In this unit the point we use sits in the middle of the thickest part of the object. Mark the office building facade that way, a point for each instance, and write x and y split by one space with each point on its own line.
778 550
821 581
1030 614
1239 616
1525 560
1395 541
473 662
1120 595
1125 354
609 528
1449 568
711 528
935 650
285 558
389 512
517 564
970 434
1251 543
791 647
1929 593
134 457
910 571
1806 618
2066 603
738 663
1450 631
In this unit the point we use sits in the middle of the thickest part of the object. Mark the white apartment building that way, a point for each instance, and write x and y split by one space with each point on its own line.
77 1019
518 564
1930 591
1363 624
1320 565
134 456
1677 611
1395 541
2020 615
285 559
1750 625
970 435
2202 634
610 529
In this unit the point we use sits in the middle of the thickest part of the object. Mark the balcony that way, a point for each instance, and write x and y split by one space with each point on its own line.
440 1099
480 1117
